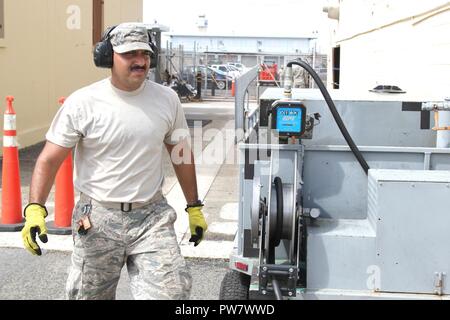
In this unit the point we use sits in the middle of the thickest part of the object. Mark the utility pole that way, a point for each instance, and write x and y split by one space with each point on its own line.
314 61
194 72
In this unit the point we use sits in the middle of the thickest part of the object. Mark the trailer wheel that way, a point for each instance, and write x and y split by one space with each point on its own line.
235 286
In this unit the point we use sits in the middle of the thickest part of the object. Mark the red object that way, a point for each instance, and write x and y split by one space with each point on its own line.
11 191
233 89
61 100
241 266
268 72
64 193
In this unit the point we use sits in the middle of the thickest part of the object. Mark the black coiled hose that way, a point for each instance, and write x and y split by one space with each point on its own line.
333 111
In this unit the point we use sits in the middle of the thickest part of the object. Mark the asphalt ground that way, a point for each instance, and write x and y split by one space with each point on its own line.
27 277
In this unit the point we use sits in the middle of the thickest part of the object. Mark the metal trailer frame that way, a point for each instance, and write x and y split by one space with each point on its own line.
378 237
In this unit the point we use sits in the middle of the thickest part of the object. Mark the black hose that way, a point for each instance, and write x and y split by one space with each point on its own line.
334 112
276 289
279 226
276 227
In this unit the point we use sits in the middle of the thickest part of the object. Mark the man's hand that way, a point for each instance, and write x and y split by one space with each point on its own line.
34 223
197 224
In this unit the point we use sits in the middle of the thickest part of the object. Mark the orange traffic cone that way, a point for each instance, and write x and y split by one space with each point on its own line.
64 197
233 89
11 192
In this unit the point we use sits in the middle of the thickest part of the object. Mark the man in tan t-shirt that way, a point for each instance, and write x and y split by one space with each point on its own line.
119 127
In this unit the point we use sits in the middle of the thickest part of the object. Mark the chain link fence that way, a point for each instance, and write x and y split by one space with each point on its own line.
176 63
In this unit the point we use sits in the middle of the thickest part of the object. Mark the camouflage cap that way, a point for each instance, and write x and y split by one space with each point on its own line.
130 36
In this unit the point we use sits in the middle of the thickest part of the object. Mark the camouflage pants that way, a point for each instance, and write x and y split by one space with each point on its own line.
143 238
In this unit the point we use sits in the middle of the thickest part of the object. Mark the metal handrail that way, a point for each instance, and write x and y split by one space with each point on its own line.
242 100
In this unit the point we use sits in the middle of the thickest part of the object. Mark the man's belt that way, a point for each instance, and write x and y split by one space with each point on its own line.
123 206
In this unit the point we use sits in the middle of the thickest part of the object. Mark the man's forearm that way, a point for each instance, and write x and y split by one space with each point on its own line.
42 181
185 170
188 181
44 173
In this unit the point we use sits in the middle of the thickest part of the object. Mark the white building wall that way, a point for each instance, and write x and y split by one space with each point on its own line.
395 43
247 44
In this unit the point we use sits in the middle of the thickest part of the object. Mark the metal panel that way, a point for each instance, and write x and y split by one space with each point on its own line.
413 226
337 294
440 161
375 122
261 169
242 207
341 254
336 184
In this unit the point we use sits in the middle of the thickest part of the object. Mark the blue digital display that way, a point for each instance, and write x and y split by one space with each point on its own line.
289 120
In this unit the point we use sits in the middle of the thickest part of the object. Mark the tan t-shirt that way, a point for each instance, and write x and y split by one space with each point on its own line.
119 138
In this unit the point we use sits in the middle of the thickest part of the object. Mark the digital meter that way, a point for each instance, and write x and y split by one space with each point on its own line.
289 118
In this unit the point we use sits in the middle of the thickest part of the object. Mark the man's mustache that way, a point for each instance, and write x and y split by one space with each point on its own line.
133 68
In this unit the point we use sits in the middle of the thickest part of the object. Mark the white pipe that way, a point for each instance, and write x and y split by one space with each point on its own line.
443 136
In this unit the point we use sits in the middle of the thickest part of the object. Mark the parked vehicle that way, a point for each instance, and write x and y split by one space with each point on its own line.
219 79
238 65
227 70
235 69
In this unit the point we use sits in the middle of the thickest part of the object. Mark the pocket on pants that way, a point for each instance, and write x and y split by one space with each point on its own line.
76 215
182 279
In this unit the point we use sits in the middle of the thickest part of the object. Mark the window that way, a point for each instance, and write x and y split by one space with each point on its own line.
259 45
2 19
97 20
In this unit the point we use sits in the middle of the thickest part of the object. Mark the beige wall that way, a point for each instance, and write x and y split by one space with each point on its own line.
404 43
41 59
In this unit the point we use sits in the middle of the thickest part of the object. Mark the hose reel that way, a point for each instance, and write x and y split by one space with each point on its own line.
281 210
280 226
272 222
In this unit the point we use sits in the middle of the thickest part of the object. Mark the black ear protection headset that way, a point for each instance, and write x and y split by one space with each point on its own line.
103 51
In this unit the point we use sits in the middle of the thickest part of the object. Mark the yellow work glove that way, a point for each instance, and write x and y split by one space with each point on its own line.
34 223
197 223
